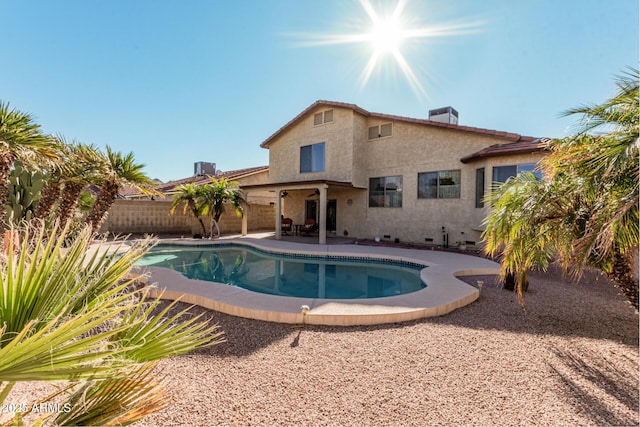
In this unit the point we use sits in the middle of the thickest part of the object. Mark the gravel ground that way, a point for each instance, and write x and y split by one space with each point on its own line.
572 359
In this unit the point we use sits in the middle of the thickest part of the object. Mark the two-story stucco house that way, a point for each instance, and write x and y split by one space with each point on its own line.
369 175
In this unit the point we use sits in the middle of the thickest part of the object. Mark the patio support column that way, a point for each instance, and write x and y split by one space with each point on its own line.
278 214
245 219
322 238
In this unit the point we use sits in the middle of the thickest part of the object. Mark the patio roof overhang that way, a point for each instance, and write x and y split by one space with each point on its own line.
322 185
301 185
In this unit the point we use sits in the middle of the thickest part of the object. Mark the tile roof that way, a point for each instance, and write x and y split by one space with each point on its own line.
169 187
514 137
520 147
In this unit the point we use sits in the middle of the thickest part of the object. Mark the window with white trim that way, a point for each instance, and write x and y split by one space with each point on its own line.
380 131
323 117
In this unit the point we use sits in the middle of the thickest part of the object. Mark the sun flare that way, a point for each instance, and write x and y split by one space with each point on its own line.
387 37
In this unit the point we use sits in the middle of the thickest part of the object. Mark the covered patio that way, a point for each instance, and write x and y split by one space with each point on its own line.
298 190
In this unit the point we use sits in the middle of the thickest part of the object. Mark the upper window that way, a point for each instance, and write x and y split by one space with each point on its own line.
312 158
323 117
503 173
385 192
480 188
439 185
380 131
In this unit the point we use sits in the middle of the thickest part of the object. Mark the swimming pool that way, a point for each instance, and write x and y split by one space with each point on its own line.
290 275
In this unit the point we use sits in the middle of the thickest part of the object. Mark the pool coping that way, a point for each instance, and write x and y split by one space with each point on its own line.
443 294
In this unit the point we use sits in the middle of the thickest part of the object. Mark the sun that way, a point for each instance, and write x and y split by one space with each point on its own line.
387 37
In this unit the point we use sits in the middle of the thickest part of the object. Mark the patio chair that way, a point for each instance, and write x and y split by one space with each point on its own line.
286 226
309 226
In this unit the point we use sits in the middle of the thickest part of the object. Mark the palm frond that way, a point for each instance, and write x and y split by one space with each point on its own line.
23 137
120 400
589 212
46 281
158 337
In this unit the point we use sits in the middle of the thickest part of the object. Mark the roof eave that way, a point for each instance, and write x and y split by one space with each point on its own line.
509 136
479 156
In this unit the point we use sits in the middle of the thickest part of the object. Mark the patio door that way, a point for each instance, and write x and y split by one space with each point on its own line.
311 210
331 215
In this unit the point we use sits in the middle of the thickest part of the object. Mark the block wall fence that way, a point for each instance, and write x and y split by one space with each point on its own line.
153 217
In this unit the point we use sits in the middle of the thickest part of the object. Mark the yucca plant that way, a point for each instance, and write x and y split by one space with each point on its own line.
69 314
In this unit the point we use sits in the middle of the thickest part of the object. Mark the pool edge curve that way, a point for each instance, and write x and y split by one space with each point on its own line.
443 294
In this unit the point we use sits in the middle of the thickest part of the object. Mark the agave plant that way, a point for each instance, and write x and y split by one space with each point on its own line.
70 314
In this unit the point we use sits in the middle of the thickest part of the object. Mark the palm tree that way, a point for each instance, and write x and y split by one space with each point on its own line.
20 139
53 181
530 219
189 194
83 164
120 170
586 209
70 316
217 194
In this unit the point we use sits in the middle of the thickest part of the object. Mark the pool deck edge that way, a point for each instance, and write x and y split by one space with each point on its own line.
443 294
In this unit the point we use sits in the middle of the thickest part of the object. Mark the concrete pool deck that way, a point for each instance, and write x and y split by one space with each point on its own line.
443 294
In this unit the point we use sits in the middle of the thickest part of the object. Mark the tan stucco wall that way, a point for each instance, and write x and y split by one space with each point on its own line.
261 177
284 156
145 216
257 197
412 149
360 159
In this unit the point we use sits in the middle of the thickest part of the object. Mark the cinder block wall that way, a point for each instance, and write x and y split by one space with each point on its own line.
153 217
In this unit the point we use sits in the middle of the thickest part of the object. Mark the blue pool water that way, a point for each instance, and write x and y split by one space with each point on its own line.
289 275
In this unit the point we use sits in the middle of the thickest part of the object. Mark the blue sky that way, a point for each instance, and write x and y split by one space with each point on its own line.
183 81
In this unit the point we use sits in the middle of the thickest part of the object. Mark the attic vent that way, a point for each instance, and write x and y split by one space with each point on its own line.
381 131
385 130
323 117
328 116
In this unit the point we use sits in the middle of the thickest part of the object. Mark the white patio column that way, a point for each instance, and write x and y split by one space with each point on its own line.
245 223
245 219
278 214
322 238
